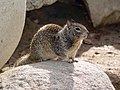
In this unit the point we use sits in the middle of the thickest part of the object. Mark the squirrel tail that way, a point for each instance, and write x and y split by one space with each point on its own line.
23 60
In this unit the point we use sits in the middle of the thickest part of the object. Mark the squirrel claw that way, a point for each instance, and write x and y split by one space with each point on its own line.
72 60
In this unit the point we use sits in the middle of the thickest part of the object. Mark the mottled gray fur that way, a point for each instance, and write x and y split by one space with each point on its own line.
54 42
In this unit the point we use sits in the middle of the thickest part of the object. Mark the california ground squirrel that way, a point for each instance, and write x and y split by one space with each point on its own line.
53 42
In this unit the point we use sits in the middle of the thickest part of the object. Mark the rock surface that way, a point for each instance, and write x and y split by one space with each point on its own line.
12 18
36 4
104 11
56 75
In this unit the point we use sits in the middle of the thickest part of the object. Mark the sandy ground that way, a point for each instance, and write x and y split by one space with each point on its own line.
102 47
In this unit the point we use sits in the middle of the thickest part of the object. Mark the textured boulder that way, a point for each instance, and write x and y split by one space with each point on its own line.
103 11
12 18
36 4
55 75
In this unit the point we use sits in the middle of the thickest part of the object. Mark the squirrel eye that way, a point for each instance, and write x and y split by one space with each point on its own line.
77 29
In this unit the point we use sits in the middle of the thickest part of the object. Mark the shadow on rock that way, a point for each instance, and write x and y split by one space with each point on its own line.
58 78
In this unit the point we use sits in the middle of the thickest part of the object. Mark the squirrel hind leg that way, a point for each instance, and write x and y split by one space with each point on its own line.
40 59
21 61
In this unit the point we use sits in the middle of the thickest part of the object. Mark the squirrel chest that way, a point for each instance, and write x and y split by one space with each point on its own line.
74 48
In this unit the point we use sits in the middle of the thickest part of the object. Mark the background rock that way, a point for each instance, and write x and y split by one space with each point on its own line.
36 4
103 11
56 75
67 1
12 18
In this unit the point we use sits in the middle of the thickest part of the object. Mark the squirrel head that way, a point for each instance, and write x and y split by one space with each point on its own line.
76 29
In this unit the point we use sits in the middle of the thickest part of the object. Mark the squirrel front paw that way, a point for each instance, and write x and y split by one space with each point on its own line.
72 60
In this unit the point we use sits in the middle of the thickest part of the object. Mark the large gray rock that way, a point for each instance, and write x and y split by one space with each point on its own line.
36 4
103 11
56 75
12 18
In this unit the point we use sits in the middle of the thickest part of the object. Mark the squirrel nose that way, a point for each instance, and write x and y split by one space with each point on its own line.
87 31
85 35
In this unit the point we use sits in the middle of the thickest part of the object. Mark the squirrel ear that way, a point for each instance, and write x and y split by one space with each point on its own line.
69 23
72 20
